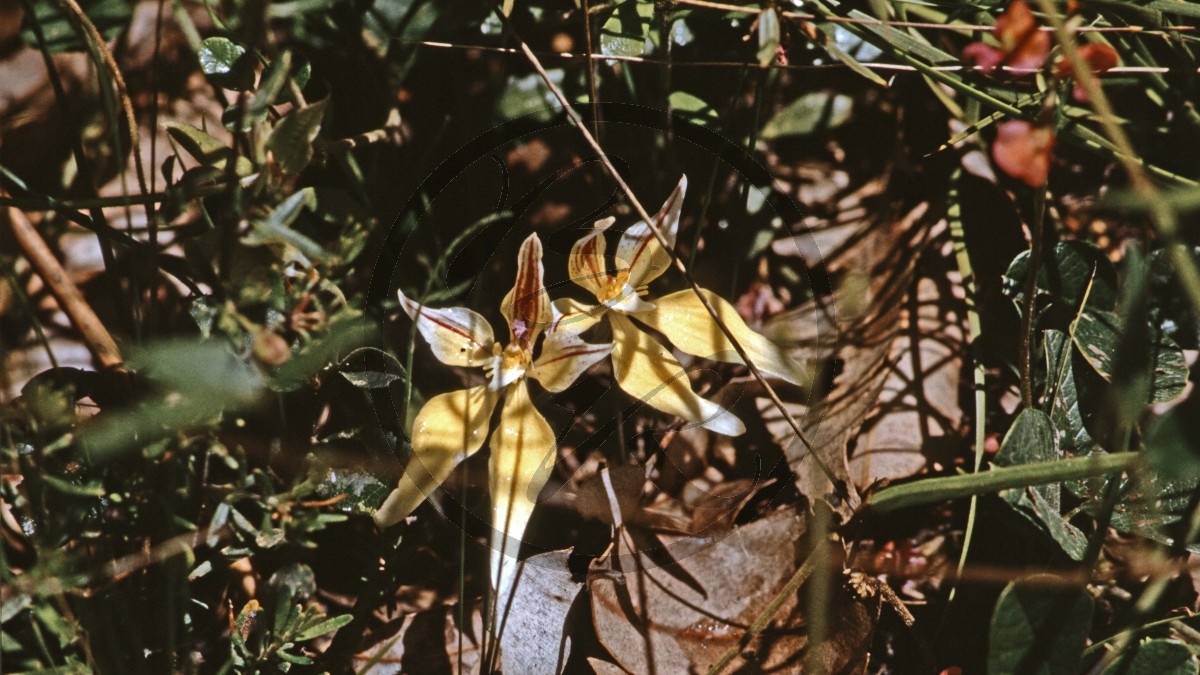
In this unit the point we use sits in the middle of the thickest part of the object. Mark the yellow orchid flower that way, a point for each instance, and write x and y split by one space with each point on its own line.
643 367
451 427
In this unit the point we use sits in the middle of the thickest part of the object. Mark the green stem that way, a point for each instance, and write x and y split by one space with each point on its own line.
974 326
931 490
1030 305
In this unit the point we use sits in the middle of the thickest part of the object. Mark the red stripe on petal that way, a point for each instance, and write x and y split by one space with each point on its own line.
455 328
567 354
530 304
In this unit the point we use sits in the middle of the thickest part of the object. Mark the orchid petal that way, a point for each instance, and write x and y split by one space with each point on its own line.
564 358
527 305
629 302
639 249
688 325
574 317
458 336
586 263
449 428
648 371
508 366
523 454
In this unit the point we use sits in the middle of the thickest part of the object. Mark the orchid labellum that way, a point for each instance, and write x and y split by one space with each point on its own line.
451 427
642 366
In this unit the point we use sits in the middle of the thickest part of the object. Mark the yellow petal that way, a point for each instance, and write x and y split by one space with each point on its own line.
449 428
586 263
640 251
647 370
682 318
574 317
527 305
458 336
523 454
564 358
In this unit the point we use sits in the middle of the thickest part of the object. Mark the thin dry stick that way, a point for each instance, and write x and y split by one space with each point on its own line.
122 90
724 7
94 334
885 67
838 484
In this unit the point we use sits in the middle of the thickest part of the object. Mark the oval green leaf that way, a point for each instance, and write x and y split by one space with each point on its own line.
1039 627
1157 657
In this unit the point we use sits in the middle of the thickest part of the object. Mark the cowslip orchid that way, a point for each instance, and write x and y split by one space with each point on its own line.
451 427
643 367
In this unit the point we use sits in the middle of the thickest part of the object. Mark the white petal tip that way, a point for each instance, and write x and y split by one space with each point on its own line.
726 424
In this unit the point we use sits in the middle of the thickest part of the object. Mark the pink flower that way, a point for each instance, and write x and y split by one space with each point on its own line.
1023 150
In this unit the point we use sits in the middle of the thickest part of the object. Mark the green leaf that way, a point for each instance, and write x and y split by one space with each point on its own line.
811 113
371 368
1069 538
693 108
1031 438
768 36
1073 405
896 40
274 81
201 370
1039 627
297 659
1157 657
1149 503
326 626
298 578
342 339
1097 337
73 489
1063 395
227 64
276 227
1170 310
852 63
1173 440
1065 276
1179 7
110 17
626 31
529 95
363 492
219 56
205 379
206 149
292 138
1048 520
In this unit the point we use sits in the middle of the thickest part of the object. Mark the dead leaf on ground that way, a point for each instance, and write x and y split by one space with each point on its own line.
426 642
536 637
918 417
853 333
651 621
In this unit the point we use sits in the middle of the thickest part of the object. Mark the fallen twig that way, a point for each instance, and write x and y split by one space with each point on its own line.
76 307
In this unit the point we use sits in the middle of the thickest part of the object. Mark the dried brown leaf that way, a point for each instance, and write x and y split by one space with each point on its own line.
857 331
650 621
536 637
